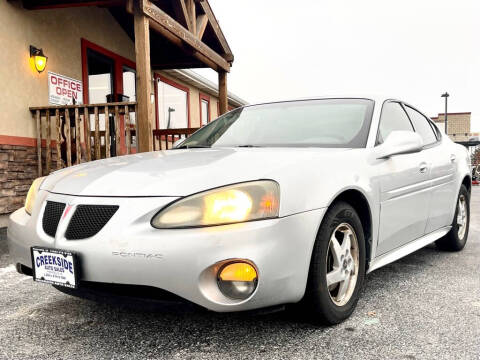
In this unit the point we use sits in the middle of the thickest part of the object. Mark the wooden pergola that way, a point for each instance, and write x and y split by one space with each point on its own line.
168 34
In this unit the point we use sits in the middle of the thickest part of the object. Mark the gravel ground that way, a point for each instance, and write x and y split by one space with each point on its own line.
424 306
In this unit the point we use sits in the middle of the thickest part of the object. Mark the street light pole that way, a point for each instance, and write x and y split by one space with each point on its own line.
446 95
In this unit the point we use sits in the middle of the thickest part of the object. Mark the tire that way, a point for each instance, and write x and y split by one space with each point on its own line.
457 237
326 304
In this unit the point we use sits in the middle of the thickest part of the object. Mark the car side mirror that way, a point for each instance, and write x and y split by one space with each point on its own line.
400 142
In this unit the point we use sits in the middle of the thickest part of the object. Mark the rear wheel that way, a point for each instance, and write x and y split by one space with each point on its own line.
337 268
456 239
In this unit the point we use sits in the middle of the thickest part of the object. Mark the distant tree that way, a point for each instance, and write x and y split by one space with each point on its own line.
475 158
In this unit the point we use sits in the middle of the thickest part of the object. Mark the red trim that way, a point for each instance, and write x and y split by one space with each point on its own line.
207 99
119 62
170 82
23 141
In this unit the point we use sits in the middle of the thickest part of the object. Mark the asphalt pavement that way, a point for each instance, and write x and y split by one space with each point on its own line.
425 306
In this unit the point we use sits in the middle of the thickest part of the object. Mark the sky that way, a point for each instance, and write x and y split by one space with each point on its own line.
413 50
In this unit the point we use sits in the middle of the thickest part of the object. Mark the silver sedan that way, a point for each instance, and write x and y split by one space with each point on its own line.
270 204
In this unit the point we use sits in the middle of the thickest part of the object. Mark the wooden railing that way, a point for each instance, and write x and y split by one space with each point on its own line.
69 143
165 138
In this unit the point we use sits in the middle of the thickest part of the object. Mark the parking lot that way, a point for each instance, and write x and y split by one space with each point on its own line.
426 305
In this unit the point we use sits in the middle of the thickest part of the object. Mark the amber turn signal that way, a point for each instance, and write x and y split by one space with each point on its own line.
237 280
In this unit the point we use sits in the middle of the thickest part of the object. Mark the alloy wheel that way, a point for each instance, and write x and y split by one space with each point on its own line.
462 217
342 264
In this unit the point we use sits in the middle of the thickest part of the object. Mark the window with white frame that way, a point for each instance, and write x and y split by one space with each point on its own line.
205 111
172 106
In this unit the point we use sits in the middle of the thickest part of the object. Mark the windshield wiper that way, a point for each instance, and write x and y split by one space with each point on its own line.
192 147
248 146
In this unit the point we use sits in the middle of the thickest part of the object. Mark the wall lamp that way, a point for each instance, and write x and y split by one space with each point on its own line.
39 58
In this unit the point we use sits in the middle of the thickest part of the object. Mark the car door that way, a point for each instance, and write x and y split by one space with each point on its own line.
442 171
404 186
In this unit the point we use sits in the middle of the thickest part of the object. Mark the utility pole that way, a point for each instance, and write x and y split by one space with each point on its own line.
446 95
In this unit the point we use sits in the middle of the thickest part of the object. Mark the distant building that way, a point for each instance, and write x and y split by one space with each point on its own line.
458 125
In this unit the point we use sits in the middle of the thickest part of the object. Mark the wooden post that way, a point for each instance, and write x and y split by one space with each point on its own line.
77 136
88 134
127 126
59 138
48 156
39 143
69 137
222 92
144 79
117 132
107 133
97 133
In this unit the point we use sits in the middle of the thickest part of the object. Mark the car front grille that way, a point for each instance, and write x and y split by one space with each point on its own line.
51 217
88 220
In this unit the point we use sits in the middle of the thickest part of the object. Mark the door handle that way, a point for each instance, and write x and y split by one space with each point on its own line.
423 167
453 158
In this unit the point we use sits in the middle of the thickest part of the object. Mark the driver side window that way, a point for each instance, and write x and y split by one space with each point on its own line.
393 118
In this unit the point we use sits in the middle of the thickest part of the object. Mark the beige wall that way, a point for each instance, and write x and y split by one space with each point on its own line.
58 32
458 125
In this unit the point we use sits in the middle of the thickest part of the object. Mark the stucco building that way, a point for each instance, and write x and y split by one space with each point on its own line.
118 64
458 125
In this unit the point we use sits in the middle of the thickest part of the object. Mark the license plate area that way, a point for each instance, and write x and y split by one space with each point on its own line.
55 266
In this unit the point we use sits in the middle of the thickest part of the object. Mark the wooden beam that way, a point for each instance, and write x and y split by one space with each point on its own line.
202 21
192 16
167 26
228 56
181 12
222 92
144 117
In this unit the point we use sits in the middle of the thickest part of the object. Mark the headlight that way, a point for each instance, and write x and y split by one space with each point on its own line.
247 201
32 194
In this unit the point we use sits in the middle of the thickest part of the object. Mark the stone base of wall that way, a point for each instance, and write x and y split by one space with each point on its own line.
18 168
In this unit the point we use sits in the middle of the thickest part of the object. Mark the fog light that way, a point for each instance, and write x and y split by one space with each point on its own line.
237 280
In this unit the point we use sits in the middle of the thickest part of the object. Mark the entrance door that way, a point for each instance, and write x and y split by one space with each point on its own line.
100 85
108 77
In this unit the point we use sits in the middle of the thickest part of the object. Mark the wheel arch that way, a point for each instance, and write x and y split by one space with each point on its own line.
467 181
357 199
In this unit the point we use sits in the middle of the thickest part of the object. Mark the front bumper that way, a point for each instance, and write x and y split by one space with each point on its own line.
128 250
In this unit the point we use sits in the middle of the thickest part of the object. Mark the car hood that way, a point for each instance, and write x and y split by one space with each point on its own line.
179 172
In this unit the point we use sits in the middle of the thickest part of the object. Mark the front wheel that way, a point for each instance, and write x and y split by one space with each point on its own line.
337 268
456 238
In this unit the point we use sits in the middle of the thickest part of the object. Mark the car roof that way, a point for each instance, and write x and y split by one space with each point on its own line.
375 97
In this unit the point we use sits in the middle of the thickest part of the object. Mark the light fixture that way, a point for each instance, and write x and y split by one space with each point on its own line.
39 58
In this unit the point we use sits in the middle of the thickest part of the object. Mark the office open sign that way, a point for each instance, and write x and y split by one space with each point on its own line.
63 90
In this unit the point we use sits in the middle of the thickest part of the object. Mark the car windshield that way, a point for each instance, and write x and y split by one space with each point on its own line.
340 123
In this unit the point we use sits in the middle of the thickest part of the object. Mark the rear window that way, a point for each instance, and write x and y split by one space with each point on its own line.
422 126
